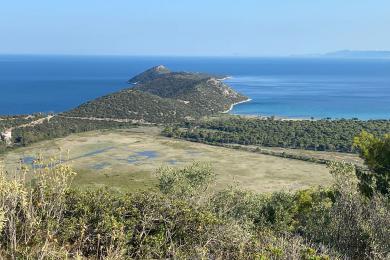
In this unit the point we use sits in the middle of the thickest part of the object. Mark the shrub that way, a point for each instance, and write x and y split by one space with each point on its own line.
376 154
45 219
31 215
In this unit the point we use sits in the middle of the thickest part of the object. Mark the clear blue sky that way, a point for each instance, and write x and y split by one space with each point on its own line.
193 27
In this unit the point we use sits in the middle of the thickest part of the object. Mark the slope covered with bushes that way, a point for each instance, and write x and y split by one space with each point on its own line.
186 219
161 96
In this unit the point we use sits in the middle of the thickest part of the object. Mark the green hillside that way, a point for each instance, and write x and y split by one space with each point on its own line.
134 105
149 74
161 96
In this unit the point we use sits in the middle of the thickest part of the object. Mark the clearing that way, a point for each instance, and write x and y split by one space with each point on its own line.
127 160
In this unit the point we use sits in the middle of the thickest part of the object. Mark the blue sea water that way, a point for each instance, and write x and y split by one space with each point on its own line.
288 87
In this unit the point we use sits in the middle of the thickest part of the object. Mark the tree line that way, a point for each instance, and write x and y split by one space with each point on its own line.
57 127
319 135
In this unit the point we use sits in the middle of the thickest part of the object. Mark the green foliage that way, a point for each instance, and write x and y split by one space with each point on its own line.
238 204
94 223
60 127
32 215
161 96
135 105
376 154
348 222
48 220
3 146
186 183
170 86
202 93
149 75
12 121
319 135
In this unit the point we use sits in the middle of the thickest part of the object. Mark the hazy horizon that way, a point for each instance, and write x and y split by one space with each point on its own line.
193 28
304 55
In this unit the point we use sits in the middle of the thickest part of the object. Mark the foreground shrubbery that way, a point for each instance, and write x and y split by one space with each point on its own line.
376 153
45 219
31 213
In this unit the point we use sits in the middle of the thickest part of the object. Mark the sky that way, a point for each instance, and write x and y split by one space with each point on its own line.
193 27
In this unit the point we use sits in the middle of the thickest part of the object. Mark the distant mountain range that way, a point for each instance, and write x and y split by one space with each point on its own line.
359 54
161 96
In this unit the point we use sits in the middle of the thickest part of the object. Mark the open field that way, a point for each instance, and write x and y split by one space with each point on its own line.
127 160
301 153
330 156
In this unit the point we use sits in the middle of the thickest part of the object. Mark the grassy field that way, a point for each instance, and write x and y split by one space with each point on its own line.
317 155
128 159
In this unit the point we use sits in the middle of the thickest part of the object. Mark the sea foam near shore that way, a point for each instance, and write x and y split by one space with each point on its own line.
232 105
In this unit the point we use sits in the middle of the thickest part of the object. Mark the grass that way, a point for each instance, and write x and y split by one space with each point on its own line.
119 159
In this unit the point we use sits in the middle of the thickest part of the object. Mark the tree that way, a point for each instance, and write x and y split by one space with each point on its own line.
376 154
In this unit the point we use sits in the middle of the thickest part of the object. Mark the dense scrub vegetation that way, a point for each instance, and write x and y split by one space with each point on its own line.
9 122
149 75
201 92
161 96
161 71
57 127
3 146
320 135
135 105
376 153
12 121
186 218
60 127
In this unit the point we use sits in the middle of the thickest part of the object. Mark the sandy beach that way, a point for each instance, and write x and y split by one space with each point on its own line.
231 107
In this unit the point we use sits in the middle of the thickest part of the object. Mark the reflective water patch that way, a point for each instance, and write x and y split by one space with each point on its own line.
28 160
100 166
142 156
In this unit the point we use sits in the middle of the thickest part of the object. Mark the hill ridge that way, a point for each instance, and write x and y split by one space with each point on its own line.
161 96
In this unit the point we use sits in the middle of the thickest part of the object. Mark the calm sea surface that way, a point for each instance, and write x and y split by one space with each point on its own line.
290 87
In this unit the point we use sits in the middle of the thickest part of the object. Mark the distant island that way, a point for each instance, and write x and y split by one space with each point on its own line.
359 54
159 95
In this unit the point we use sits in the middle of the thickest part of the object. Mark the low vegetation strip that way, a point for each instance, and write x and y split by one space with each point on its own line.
57 126
316 135
118 120
7 122
296 154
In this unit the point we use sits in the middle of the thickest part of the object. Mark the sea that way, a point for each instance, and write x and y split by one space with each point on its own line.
283 87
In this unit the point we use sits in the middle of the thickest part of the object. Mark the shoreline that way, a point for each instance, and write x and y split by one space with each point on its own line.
234 104
225 78
278 117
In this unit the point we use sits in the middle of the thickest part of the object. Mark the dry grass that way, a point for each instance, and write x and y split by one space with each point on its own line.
127 159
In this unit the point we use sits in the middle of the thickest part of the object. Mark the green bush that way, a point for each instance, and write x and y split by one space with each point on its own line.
376 154
46 219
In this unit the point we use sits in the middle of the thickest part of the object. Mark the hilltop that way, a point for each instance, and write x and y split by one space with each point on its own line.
161 96
150 74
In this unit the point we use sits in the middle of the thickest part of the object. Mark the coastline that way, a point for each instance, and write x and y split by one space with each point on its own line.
232 105
276 117
225 78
